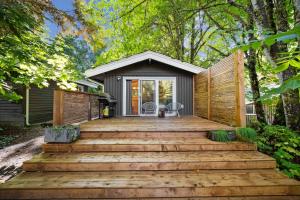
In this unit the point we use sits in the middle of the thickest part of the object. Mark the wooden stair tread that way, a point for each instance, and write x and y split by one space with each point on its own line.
134 157
142 141
150 179
142 134
150 184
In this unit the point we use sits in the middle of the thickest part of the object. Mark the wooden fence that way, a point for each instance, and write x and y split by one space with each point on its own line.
73 107
219 91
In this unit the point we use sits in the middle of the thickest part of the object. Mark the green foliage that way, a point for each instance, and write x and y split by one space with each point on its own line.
27 57
286 37
247 134
284 145
5 140
256 125
220 136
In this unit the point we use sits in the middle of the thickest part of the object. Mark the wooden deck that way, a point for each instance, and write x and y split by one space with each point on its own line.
150 158
188 123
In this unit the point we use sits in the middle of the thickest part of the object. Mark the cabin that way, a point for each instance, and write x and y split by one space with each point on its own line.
152 78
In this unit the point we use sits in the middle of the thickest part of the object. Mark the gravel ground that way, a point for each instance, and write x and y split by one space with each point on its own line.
27 143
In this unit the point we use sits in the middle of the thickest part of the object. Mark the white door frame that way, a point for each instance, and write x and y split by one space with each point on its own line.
142 78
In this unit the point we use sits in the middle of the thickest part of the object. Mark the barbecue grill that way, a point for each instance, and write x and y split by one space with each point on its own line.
106 100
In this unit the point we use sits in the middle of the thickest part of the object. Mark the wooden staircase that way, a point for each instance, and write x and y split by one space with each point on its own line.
150 165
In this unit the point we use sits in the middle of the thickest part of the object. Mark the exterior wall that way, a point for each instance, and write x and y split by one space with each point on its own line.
11 113
41 104
220 91
184 82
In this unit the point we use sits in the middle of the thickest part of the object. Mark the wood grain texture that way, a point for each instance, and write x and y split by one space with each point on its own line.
73 107
219 91
148 184
152 124
141 144
110 161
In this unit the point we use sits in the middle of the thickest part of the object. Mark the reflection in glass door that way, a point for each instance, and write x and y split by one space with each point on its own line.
161 91
148 95
132 100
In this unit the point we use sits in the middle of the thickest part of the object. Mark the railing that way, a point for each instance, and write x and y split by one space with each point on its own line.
73 107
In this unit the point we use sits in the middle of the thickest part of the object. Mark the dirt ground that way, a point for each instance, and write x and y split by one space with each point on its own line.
27 143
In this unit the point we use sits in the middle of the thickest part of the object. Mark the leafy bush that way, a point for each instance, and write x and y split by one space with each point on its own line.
5 140
284 145
247 134
255 124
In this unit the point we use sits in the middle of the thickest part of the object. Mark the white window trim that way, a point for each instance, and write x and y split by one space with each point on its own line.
156 79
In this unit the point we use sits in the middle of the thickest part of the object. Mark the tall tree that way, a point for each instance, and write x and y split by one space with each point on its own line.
276 22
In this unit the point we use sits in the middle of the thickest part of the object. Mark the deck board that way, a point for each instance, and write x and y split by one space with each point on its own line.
188 123
147 144
151 184
115 161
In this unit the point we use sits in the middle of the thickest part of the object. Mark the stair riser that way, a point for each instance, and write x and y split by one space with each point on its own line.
122 193
53 148
147 166
97 134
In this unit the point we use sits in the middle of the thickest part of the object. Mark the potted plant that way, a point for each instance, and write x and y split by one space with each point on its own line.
61 134
222 136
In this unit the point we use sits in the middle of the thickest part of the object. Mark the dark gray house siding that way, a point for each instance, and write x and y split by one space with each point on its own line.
184 81
11 113
41 104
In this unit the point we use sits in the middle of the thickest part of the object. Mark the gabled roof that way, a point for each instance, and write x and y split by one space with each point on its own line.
141 57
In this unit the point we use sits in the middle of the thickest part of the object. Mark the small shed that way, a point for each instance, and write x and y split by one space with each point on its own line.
216 93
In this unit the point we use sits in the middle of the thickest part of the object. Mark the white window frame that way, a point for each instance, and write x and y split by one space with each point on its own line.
148 78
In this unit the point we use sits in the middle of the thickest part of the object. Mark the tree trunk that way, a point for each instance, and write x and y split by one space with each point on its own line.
279 118
290 99
251 66
192 42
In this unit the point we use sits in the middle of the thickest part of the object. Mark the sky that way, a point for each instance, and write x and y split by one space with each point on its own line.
66 5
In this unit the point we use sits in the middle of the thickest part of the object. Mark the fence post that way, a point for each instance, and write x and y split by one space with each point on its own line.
58 107
90 109
239 84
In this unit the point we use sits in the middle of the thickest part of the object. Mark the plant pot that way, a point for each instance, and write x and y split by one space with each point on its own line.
64 134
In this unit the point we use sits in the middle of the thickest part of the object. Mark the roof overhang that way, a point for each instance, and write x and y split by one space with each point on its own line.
141 57
89 83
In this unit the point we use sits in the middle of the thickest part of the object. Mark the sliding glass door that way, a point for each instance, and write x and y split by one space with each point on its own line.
140 93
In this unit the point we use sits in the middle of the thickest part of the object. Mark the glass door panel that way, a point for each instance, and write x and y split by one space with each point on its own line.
165 92
148 96
132 101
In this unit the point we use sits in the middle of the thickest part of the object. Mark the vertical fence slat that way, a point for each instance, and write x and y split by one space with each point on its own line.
58 107
209 93
239 84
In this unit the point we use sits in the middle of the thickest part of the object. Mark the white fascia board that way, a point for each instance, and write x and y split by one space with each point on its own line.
141 57
87 83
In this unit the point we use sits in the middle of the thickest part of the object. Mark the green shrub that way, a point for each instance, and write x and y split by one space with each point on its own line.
247 134
5 140
284 145
256 125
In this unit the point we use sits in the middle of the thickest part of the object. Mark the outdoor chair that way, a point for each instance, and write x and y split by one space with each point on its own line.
149 107
174 107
